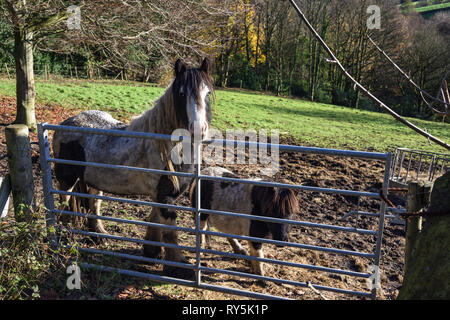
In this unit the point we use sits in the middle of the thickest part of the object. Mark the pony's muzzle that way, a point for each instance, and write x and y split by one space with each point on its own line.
199 129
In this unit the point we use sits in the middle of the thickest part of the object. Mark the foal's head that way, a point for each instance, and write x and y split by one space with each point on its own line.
278 203
191 89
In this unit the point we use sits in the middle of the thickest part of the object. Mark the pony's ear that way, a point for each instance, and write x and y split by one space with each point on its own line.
180 67
206 66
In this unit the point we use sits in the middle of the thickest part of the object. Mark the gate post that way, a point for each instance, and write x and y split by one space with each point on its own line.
418 198
21 171
385 187
44 150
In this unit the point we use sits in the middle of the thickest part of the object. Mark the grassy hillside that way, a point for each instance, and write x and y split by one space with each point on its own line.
433 7
307 123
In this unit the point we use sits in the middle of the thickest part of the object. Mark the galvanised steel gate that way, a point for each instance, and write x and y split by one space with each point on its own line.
417 165
372 275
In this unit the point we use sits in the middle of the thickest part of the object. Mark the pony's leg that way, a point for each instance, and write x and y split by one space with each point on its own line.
167 193
237 247
95 225
204 226
153 234
173 254
256 251
66 202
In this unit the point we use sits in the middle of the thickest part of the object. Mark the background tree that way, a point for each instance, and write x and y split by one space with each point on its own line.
126 35
28 22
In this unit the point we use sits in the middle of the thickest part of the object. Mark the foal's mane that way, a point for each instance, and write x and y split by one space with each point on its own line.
283 201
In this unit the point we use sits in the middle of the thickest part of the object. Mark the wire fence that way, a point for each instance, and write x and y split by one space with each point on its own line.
48 71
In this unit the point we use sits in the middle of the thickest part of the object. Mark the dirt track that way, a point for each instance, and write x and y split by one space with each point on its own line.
312 170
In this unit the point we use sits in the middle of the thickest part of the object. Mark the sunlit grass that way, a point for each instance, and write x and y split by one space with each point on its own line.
307 123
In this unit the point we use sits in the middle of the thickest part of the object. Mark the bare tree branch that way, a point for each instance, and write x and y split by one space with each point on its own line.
360 87
422 92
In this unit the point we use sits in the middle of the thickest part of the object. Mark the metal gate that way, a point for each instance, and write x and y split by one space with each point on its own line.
372 275
417 165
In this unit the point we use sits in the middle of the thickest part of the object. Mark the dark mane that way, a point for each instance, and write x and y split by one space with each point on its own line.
280 202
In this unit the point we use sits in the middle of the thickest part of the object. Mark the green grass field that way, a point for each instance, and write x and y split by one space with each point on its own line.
427 8
433 7
308 123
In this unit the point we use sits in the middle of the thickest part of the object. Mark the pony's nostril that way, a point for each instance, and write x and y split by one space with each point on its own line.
197 128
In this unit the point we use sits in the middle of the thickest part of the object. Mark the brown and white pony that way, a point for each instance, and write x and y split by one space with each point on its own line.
247 199
184 103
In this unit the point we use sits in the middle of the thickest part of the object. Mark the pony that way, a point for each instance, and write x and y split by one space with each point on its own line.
185 104
247 199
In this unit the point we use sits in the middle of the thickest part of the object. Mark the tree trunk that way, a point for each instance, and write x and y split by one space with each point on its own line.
21 171
25 91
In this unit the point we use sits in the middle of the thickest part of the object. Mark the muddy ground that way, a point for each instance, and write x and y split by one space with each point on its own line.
311 170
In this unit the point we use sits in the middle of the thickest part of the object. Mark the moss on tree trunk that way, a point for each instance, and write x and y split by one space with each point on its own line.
25 90
427 275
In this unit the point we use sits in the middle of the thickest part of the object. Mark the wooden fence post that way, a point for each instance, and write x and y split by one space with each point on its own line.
418 198
21 171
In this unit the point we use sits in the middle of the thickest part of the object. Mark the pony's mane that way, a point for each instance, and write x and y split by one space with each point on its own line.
161 118
272 199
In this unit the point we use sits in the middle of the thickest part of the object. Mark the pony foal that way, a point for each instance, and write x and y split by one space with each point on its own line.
247 199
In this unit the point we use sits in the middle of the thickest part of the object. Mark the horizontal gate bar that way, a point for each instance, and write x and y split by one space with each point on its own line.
214 270
240 215
140 241
289 264
282 281
113 132
291 186
119 220
302 149
424 152
165 279
369 214
291 244
281 147
215 178
139 202
234 255
132 257
213 233
115 166
291 222
149 276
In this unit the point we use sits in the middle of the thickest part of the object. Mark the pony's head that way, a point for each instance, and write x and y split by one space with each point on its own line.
191 90
278 203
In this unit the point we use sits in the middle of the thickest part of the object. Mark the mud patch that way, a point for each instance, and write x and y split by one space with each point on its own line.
311 170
